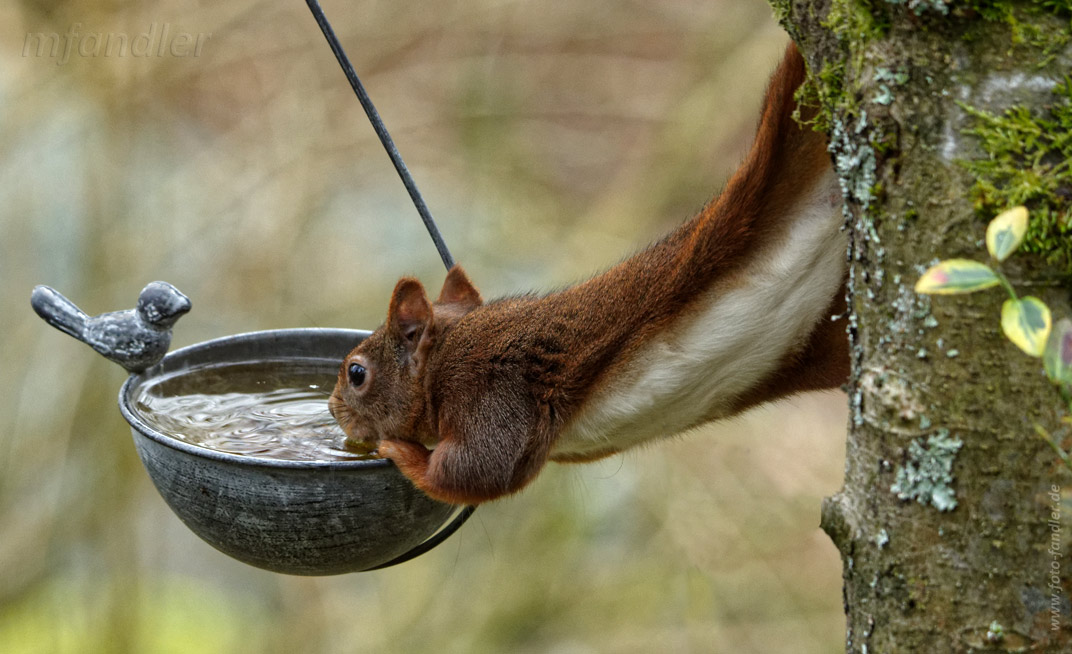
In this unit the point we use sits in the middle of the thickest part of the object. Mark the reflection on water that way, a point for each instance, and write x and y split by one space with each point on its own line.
264 409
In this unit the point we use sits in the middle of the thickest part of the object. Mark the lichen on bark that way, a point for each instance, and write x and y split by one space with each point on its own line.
927 474
942 406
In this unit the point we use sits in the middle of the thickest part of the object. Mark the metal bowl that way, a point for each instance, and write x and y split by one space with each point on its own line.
294 517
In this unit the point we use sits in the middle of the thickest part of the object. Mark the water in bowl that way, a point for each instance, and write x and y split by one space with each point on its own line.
264 409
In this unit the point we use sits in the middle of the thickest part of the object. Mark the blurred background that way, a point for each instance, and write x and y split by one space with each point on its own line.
550 140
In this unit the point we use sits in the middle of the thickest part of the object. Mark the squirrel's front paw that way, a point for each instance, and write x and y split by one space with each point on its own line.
410 457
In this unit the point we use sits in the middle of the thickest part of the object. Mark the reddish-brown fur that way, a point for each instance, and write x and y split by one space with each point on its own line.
492 385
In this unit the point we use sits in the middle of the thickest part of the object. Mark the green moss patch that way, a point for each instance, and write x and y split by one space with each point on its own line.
1029 161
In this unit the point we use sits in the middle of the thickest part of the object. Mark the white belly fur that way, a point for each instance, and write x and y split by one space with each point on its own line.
701 364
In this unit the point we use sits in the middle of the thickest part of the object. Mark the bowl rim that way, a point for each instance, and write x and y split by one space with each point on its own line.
140 426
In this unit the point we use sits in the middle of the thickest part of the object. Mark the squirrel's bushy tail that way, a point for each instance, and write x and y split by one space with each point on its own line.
787 156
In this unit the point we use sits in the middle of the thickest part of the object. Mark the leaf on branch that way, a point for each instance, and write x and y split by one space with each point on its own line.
1057 359
956 276
1005 232
1027 324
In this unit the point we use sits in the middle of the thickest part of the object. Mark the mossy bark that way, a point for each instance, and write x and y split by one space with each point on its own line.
954 523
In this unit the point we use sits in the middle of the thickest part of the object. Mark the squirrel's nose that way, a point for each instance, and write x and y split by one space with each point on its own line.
333 403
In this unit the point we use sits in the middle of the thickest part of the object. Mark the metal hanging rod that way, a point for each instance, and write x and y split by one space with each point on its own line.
381 131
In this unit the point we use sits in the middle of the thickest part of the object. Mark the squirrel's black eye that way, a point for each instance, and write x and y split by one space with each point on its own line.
357 373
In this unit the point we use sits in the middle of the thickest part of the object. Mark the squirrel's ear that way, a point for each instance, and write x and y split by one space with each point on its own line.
410 314
457 289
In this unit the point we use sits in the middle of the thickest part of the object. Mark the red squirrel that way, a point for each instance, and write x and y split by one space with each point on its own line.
731 309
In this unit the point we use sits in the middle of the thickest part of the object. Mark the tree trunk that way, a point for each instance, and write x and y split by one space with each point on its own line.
954 519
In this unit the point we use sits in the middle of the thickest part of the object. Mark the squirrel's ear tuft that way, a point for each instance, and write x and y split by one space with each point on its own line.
410 314
457 289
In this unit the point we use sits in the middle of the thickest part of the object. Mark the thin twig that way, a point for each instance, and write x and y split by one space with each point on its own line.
1058 450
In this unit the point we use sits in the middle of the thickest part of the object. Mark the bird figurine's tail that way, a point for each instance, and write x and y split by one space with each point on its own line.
59 312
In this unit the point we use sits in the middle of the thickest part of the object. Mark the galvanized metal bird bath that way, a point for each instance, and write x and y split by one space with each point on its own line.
296 517
306 517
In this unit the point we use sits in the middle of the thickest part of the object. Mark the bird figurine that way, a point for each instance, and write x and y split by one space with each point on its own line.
135 339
